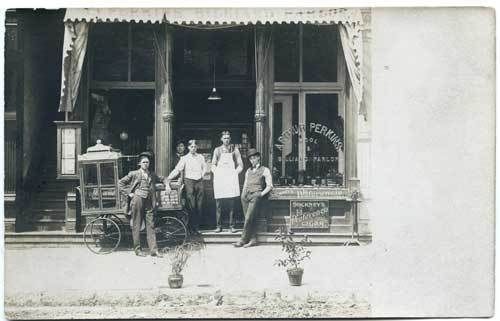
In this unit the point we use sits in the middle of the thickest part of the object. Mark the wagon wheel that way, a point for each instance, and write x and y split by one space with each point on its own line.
102 235
170 232
183 216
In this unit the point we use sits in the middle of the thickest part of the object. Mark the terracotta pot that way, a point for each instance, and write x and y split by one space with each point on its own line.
175 281
295 276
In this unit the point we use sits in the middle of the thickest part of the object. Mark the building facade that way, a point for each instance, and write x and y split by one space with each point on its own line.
293 83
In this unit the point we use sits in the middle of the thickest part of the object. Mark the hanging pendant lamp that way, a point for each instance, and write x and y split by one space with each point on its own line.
214 96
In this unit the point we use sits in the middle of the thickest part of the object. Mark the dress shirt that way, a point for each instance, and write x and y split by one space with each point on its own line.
194 166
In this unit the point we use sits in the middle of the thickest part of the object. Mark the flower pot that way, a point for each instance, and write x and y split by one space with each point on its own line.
295 276
175 281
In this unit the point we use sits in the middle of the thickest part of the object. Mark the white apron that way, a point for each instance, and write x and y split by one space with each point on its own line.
226 182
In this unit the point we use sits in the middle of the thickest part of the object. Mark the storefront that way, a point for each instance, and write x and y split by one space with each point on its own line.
290 83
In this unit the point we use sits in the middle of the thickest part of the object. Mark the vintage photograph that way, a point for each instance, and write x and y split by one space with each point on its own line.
246 162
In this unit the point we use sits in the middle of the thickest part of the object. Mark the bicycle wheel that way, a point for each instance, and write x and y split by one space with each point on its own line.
170 232
102 235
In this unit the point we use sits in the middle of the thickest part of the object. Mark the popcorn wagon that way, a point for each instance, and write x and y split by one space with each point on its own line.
103 205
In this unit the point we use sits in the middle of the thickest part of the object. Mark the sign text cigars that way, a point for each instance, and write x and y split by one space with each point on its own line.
309 214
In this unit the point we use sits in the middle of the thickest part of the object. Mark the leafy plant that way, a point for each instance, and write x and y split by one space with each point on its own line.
179 256
295 251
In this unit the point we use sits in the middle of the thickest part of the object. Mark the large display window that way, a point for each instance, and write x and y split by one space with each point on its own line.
308 143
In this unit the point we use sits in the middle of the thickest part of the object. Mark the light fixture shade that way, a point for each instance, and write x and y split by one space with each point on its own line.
214 96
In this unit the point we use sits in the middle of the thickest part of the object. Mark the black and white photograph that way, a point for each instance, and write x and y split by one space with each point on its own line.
248 162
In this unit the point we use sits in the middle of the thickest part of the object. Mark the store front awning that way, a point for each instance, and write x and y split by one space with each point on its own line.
76 33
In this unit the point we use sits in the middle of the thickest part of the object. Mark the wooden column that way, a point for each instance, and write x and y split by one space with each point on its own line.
264 87
164 115
263 101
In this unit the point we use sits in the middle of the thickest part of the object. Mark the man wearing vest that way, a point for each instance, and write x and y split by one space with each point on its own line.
258 182
140 188
194 167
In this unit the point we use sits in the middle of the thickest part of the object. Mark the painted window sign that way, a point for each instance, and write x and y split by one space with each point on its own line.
308 144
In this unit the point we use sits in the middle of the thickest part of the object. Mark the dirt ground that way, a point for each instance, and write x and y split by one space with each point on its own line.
167 304
219 282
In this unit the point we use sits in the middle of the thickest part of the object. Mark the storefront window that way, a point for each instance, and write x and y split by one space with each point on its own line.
320 45
143 55
123 52
286 53
324 156
196 52
308 145
305 53
110 44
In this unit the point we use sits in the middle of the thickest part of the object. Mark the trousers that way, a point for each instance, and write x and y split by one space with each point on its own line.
142 209
228 203
194 196
250 202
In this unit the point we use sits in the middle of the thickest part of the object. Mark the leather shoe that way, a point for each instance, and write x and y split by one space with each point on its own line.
233 230
251 243
195 233
218 230
138 251
238 244
155 253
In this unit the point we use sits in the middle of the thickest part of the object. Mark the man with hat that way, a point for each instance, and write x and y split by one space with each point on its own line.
140 188
193 166
258 182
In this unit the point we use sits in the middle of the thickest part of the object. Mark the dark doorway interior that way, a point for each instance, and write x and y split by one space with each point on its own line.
123 119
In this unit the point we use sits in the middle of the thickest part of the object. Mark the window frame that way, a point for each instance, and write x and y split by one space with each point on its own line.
302 89
77 126
119 84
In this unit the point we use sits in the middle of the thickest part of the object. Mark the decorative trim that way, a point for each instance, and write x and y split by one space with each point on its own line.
168 117
260 117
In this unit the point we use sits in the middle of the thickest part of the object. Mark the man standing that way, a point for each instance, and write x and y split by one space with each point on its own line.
226 165
139 186
194 167
256 177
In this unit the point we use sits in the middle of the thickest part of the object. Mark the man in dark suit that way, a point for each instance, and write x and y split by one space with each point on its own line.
139 187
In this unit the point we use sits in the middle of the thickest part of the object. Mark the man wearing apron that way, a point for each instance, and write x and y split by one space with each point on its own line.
256 177
226 165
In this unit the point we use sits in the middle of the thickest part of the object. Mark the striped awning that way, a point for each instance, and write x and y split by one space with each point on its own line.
76 23
217 15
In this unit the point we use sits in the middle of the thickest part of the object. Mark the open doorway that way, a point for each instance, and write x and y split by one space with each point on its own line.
123 119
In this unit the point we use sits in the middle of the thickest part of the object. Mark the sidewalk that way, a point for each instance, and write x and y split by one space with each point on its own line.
220 281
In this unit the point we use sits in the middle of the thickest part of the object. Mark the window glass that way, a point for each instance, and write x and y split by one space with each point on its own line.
286 53
143 55
324 140
68 151
286 132
195 54
90 174
232 47
108 195
91 198
320 46
110 43
107 174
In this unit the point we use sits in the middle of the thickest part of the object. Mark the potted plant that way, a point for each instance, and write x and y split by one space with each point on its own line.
295 253
178 257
